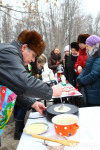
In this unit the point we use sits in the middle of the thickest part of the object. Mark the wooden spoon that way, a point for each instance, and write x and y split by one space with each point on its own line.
70 143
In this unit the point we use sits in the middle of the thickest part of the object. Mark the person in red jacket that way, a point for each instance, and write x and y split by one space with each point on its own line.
81 60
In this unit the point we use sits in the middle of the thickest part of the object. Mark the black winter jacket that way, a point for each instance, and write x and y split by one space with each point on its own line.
70 71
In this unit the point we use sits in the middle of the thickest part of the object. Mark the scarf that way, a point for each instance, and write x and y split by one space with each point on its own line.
94 51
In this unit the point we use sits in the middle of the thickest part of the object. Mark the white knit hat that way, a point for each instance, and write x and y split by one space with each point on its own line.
66 48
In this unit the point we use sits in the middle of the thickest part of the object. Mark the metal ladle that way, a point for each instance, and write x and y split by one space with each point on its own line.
62 105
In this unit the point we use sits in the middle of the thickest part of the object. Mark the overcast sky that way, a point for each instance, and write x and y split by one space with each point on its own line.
88 6
91 6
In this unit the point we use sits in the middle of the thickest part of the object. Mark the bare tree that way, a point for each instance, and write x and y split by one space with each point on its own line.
96 24
61 22
6 27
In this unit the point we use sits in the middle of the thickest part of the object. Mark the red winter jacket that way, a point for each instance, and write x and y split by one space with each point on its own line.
81 60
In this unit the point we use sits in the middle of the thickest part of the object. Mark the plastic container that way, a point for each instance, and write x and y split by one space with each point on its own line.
51 76
63 80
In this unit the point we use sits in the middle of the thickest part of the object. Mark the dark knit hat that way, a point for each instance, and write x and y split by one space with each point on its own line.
82 38
75 45
34 41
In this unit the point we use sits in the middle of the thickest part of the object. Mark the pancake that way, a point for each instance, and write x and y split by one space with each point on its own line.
64 109
36 128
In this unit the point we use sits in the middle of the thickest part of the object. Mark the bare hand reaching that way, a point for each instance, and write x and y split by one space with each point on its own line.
39 107
57 91
79 69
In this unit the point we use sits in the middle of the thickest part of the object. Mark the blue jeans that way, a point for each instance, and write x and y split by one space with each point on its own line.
21 112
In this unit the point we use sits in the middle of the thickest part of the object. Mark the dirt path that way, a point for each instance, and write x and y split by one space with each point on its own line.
8 142
7 139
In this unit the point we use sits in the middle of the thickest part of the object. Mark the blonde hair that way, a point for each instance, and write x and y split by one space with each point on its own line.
42 59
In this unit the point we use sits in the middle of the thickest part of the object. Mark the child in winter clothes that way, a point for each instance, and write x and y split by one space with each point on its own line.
67 53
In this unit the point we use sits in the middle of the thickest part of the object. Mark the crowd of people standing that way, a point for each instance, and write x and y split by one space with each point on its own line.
81 66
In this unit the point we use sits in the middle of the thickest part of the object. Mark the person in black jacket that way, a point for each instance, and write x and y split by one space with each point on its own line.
65 58
70 73
13 75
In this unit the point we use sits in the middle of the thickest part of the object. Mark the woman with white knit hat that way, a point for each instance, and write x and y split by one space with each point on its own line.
67 52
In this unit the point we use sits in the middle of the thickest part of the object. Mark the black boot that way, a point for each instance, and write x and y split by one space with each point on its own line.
19 125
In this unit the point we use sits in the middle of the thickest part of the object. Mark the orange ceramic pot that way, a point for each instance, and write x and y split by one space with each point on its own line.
65 124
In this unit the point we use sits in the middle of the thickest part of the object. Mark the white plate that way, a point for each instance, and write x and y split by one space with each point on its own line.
36 128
